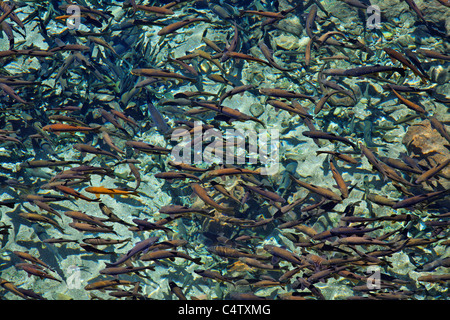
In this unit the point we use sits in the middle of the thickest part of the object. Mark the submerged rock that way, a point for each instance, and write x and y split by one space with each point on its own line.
427 145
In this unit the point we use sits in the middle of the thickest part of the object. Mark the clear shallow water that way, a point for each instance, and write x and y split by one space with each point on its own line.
104 77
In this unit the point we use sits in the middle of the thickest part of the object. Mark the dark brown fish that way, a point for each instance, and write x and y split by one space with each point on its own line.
214 275
362 71
290 108
228 252
339 156
103 284
157 73
228 113
268 55
114 271
87 227
170 175
433 54
235 90
411 201
168 254
269 195
411 105
202 194
395 55
35 270
281 93
177 291
339 180
284 254
147 147
439 126
177 209
319 190
310 20
373 159
81 216
328 136
432 172
173 27
35 217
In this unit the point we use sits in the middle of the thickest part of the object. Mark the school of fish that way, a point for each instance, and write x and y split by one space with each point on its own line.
78 117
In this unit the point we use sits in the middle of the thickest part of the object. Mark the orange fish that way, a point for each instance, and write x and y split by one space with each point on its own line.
61 127
110 191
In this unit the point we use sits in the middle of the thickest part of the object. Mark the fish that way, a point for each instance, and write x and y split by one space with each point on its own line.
170 175
57 128
173 27
177 291
114 271
319 190
102 241
373 159
103 284
269 195
35 217
228 113
267 53
81 216
339 180
27 256
9 286
436 124
432 172
227 252
111 216
236 90
177 209
144 224
284 254
202 194
288 94
147 147
363 71
88 227
215 275
161 124
395 55
411 201
290 108
247 57
339 156
411 105
154 9
110 191
168 254
35 270
73 192
228 171
310 20
84 148
158 73
433 54
138 248
329 136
